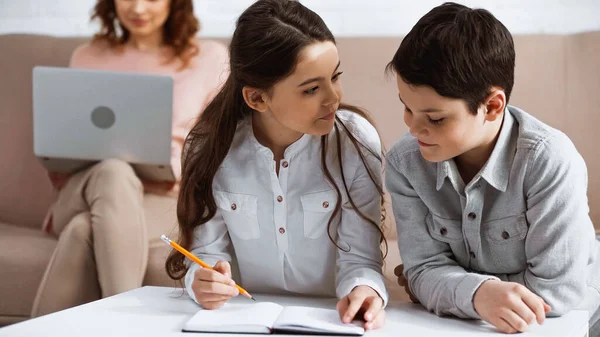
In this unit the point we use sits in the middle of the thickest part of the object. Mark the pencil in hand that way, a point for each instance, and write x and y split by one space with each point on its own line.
200 262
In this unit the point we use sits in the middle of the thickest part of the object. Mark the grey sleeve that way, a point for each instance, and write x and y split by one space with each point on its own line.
211 244
361 264
434 276
560 243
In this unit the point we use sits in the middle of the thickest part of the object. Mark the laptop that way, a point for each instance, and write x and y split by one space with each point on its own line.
81 117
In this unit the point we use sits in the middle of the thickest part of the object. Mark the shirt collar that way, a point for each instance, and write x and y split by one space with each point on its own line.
250 140
448 169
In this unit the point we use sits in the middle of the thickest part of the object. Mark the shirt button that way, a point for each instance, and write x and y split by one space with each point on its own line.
444 231
505 235
233 207
279 198
281 230
285 164
472 216
472 255
325 204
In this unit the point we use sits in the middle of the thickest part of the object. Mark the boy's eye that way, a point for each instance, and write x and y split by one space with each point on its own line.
435 121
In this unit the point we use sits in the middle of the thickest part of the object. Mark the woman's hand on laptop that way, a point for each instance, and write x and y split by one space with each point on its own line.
157 187
363 302
214 287
58 180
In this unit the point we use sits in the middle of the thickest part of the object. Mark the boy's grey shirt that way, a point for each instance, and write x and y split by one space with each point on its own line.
523 218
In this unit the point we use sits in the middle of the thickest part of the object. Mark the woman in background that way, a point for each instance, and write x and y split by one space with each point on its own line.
105 202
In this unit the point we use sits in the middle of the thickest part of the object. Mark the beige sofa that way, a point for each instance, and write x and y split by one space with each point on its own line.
558 80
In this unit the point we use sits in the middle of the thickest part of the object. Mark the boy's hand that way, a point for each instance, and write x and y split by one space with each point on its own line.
508 306
362 301
214 287
403 282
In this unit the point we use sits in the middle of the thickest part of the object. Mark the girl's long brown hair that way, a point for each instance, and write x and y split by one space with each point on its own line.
264 49
179 29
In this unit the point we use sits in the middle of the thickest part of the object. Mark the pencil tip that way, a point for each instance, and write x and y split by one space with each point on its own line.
252 298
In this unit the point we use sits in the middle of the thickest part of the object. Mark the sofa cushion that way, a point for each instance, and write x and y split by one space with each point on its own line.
156 274
161 218
24 256
25 192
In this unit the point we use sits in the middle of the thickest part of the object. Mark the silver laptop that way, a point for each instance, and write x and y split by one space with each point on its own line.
81 117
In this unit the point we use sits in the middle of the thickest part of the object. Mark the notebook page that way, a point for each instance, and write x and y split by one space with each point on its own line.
316 320
235 318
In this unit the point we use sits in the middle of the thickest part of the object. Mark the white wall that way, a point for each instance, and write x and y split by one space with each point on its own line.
344 17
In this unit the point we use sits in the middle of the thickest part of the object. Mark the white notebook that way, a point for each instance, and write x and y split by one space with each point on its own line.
268 318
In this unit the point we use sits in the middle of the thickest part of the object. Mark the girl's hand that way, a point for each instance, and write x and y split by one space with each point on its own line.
363 303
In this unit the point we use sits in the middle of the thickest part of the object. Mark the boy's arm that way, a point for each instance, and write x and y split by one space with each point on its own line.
433 274
560 243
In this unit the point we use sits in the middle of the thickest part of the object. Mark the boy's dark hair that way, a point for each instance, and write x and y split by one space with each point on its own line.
458 51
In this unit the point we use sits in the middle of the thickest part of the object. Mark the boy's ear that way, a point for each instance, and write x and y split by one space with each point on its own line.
255 98
494 104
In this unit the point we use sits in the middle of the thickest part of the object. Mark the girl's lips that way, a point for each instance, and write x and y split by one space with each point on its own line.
329 117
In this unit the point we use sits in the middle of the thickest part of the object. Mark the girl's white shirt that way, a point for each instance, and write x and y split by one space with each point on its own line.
273 229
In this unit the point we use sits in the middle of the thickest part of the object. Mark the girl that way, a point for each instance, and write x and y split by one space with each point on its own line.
106 201
277 167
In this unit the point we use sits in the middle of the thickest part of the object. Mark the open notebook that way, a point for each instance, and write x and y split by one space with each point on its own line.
268 317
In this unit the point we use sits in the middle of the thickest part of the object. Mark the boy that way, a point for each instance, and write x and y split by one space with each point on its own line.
490 203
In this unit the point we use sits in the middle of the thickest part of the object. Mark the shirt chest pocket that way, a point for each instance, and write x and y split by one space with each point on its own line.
507 230
505 241
240 214
317 209
445 230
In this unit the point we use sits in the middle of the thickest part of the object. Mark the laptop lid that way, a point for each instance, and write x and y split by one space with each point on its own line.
95 115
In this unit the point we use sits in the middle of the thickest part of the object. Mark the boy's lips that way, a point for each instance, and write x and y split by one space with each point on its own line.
424 144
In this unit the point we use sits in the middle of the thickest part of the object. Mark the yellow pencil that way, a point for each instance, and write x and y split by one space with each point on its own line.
200 262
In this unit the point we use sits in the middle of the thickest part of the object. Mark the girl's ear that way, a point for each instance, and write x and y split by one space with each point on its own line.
255 99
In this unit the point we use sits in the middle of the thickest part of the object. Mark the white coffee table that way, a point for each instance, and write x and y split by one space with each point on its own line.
157 311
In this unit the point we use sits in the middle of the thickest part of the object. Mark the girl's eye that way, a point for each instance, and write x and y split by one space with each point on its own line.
311 91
